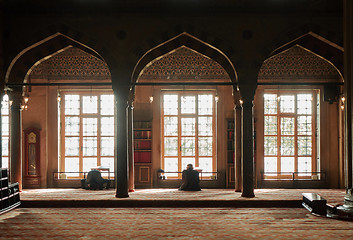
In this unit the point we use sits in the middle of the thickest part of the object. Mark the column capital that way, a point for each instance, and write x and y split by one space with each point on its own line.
15 98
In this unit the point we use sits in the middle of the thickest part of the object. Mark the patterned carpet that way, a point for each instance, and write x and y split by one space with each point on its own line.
36 198
166 223
332 195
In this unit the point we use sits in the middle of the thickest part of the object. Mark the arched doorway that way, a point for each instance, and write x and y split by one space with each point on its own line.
188 70
299 147
47 71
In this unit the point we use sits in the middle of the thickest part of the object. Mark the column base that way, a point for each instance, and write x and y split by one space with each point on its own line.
347 207
122 196
345 211
248 195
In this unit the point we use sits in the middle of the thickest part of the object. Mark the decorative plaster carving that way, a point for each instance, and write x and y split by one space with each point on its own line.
72 64
184 64
298 64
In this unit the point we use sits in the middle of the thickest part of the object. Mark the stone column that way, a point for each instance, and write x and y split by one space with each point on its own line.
122 166
348 92
131 147
237 147
247 147
16 139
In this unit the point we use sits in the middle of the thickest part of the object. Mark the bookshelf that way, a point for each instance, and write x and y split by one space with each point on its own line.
230 153
143 153
9 194
230 141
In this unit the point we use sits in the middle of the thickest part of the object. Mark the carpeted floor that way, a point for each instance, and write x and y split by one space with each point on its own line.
334 196
216 198
166 223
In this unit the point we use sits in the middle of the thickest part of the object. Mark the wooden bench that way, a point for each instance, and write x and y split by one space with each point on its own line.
314 203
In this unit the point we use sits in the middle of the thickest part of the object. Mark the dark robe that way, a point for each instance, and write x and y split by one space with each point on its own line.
190 181
94 181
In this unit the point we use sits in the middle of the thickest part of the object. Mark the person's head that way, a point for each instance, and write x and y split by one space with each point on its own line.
189 166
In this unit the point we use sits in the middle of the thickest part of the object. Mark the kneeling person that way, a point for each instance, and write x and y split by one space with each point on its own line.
191 180
94 181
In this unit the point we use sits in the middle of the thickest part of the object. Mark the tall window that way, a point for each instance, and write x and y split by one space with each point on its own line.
188 132
289 134
5 116
87 132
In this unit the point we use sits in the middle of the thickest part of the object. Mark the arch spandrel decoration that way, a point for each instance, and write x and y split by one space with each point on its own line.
73 63
191 42
183 64
298 64
22 65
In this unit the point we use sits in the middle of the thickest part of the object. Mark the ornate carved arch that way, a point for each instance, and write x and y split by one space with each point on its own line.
187 40
20 66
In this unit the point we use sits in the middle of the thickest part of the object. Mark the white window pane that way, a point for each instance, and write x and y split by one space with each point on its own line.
270 166
89 126
304 146
5 107
188 126
188 146
107 126
5 125
72 146
186 161
72 104
270 125
304 125
304 165
72 126
89 104
5 162
287 126
287 146
171 146
270 103
270 145
89 146
304 103
188 105
5 146
107 146
287 164
170 104
170 126
107 104
109 163
205 146
205 104
89 163
171 165
205 164
205 126
287 103
72 167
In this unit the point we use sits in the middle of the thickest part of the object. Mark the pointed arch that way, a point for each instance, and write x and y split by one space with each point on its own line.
20 66
316 38
187 40
298 58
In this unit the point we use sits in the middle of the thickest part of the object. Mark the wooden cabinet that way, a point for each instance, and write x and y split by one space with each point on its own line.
143 176
143 153
230 154
9 194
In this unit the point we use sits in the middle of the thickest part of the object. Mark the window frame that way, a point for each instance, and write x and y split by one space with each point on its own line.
81 116
196 115
7 114
314 173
